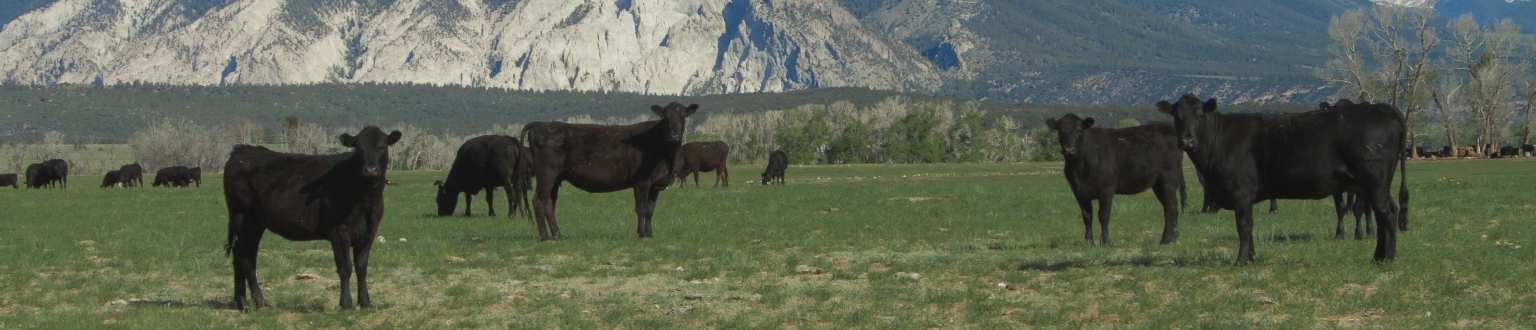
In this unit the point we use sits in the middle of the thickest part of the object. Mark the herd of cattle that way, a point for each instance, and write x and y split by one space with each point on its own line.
1341 149
55 173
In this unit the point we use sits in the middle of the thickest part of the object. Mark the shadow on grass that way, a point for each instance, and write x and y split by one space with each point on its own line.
1306 236
1202 260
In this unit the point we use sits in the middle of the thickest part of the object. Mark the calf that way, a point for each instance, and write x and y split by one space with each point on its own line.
9 179
485 162
1101 163
132 175
704 157
113 178
338 198
641 157
778 161
169 176
1250 157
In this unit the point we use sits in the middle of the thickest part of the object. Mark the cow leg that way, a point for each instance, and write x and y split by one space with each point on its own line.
554 199
1340 207
645 204
490 195
1272 207
1244 215
511 200
695 178
721 177
1105 203
1386 223
341 245
246 247
1085 206
1167 194
360 262
468 197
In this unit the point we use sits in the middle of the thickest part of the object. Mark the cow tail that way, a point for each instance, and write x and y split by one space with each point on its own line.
229 243
1183 196
522 180
1402 191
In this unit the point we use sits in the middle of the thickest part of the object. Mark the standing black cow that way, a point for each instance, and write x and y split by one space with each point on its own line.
485 162
9 179
778 161
603 158
169 176
1527 150
1250 157
704 157
55 171
339 198
132 175
1101 163
190 176
113 178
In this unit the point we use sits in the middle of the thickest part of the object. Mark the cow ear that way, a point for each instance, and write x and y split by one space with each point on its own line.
656 109
1050 122
690 110
348 141
438 183
394 137
1322 105
1088 123
1165 107
1210 105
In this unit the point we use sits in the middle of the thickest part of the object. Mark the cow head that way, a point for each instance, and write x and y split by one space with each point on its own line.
675 117
446 201
766 178
1188 114
373 146
1069 132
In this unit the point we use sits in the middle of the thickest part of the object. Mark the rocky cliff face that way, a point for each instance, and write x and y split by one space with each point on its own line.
645 46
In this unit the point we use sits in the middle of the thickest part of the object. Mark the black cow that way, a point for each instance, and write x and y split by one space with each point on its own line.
132 175
112 178
1527 150
169 176
1101 163
9 179
778 161
1509 151
33 171
190 176
339 198
55 171
485 162
1250 157
604 158
704 157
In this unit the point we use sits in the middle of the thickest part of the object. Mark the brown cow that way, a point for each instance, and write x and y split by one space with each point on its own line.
704 157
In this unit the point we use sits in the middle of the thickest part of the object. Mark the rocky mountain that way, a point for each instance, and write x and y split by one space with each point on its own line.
642 46
1046 51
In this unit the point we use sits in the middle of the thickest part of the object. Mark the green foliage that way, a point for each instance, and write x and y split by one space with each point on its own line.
912 138
967 139
1127 122
803 134
855 143
1047 146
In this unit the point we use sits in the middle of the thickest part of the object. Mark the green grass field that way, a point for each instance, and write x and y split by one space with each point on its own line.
728 258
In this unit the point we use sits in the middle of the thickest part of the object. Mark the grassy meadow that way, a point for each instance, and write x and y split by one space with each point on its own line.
860 246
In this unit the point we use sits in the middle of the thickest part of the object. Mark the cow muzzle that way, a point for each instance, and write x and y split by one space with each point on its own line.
1068 151
370 171
1187 144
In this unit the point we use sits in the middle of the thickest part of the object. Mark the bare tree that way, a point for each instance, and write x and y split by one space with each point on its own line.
1347 67
1446 94
1404 37
1484 55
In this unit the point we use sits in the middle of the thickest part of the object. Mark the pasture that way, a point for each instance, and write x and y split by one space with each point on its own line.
882 246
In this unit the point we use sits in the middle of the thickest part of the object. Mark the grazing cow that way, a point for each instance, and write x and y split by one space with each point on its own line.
113 178
485 162
1250 157
1508 151
9 179
132 175
1101 163
169 176
704 157
778 161
33 171
339 198
190 176
603 158
1527 150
